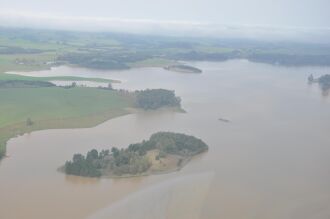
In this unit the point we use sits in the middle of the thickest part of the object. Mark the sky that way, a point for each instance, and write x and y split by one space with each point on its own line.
208 17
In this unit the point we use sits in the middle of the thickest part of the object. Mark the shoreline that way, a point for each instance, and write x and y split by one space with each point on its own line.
87 121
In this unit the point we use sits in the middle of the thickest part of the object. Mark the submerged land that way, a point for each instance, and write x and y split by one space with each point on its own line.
164 152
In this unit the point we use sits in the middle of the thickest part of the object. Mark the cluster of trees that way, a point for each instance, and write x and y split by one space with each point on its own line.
128 161
156 98
183 68
102 59
203 56
286 59
177 143
90 166
290 59
133 160
25 84
324 82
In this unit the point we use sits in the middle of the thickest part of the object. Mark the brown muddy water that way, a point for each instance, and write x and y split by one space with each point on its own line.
271 161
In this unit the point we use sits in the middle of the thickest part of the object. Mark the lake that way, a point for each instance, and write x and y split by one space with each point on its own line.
271 160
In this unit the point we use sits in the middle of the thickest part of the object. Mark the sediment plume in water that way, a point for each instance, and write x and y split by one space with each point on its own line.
179 198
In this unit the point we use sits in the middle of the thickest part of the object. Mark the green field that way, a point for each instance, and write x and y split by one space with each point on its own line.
55 78
57 108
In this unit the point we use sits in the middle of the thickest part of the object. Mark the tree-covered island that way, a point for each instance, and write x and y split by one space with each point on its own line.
323 81
163 152
183 68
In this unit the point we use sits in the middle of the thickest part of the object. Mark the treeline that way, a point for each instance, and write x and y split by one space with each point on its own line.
24 84
133 160
265 57
183 68
290 59
90 165
102 60
177 143
156 98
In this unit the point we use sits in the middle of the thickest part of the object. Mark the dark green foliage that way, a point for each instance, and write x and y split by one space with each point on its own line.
95 60
129 162
156 98
25 84
183 68
290 59
133 159
81 166
141 148
176 143
202 56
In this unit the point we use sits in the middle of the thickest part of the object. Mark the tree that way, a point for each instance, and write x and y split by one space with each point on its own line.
92 155
29 122
115 151
110 86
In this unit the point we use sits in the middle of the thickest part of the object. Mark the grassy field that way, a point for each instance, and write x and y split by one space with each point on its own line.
57 108
55 78
10 62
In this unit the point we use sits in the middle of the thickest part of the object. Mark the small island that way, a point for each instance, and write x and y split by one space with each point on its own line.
164 152
323 81
183 69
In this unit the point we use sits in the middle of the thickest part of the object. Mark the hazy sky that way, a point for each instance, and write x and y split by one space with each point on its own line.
196 13
262 12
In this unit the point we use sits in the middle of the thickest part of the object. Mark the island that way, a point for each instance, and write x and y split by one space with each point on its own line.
183 69
323 81
164 152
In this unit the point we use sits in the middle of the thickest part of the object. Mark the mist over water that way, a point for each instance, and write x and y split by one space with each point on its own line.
270 161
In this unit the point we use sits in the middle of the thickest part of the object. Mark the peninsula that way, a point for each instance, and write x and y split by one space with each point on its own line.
39 105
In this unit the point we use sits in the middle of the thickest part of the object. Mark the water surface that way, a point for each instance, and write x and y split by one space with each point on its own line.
270 161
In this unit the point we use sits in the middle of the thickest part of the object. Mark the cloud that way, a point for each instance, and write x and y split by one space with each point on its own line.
156 27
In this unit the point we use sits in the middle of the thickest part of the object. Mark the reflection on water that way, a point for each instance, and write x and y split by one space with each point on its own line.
271 162
80 180
181 198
